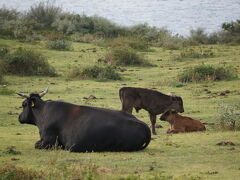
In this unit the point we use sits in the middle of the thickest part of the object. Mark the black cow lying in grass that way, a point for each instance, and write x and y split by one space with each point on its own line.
82 128
152 101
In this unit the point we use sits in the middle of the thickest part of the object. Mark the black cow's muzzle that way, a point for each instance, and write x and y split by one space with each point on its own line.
20 119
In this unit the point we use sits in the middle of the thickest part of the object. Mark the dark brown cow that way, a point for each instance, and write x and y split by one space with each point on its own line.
152 101
181 124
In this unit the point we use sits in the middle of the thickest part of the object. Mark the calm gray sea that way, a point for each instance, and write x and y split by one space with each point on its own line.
179 16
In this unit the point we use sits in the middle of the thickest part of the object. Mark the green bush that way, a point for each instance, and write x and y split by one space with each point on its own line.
26 62
95 72
59 44
198 36
229 118
207 73
44 13
124 55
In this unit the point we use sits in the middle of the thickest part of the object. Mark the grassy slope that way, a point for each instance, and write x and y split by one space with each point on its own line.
181 156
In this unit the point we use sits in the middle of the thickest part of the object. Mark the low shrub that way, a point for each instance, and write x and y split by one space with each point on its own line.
124 55
59 44
207 73
229 117
95 72
188 53
26 62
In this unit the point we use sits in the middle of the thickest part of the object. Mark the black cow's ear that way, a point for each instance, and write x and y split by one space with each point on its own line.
33 102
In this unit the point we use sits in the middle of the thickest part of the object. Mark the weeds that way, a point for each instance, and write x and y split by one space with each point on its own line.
229 117
11 150
207 73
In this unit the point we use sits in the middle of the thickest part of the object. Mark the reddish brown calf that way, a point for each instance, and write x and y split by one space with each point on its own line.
181 124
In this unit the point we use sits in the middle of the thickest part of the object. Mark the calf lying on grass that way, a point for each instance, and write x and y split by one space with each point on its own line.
181 124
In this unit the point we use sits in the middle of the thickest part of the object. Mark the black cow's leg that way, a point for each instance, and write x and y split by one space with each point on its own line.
153 121
48 141
38 144
43 145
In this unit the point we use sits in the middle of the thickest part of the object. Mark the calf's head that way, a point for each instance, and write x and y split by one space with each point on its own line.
177 104
31 103
168 115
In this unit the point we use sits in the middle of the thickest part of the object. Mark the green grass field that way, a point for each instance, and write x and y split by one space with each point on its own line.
178 156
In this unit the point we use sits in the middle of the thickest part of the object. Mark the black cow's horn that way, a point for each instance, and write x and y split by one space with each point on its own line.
23 95
41 94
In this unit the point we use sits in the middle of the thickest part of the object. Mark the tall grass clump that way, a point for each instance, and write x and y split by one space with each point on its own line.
125 55
44 12
207 73
229 117
95 72
26 62
59 44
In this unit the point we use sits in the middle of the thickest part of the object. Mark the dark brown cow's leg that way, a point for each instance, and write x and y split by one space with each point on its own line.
153 121
129 110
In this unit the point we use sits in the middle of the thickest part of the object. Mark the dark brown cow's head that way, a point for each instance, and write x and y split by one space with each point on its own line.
177 104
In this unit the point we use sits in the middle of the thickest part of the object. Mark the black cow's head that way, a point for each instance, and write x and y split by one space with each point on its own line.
32 102
177 104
